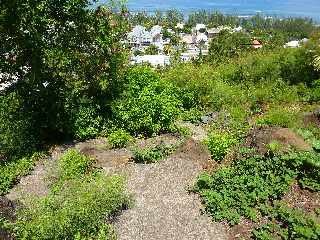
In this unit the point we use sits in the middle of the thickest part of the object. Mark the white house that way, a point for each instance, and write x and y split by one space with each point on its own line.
292 44
154 60
180 26
200 27
139 35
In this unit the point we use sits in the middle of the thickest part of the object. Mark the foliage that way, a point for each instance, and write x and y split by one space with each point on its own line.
192 115
219 144
153 154
148 105
287 223
119 138
59 54
235 191
228 45
279 116
78 211
152 50
12 171
86 123
73 164
274 147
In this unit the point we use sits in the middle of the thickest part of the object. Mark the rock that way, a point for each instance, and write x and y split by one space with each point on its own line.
209 117
317 112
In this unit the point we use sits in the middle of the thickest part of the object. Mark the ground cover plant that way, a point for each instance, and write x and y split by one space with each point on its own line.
241 189
77 207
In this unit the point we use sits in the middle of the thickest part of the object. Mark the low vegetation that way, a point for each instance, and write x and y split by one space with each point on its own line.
78 206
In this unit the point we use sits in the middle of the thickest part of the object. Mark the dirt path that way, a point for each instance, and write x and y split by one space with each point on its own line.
163 207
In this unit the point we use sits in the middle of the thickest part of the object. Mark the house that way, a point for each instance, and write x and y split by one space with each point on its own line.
296 43
154 60
213 32
156 34
256 44
139 35
188 39
200 28
201 38
180 26
292 44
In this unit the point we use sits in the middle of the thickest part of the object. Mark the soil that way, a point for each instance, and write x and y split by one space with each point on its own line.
164 208
38 182
260 137
311 119
302 199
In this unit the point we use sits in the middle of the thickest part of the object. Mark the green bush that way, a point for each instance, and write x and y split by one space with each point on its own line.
16 127
235 191
86 122
73 164
153 154
79 211
287 223
238 190
15 169
219 144
280 116
119 138
148 105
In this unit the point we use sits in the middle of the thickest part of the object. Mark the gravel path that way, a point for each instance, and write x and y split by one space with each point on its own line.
163 207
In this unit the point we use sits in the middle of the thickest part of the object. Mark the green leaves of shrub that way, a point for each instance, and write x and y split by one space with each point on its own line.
15 169
78 211
73 164
236 190
119 138
148 105
291 224
153 154
219 145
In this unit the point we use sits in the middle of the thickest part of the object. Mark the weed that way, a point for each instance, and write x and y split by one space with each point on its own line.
119 138
219 144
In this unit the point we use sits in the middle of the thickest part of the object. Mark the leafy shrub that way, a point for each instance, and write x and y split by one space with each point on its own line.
290 224
274 147
153 154
119 138
16 127
12 171
193 115
73 164
239 189
148 105
307 164
219 145
78 211
279 116
86 122
235 191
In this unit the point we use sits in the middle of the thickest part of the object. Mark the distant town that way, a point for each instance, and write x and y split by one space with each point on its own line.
155 46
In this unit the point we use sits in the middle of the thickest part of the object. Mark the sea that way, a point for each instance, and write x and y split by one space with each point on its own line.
272 8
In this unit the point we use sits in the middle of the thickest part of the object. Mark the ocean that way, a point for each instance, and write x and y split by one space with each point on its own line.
276 8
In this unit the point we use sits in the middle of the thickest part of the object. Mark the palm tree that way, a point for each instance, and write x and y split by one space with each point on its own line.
316 62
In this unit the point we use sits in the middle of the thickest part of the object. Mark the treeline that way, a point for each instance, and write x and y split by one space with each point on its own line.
292 28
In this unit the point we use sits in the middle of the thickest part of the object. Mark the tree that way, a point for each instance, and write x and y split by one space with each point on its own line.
152 50
62 55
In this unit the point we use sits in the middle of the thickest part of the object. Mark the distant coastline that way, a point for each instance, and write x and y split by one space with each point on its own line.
247 8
